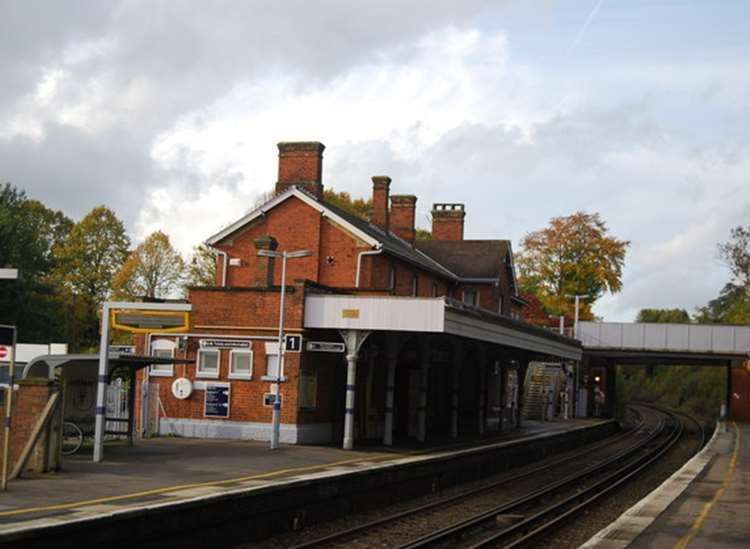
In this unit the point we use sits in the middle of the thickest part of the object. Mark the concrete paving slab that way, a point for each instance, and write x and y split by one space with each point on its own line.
704 504
162 471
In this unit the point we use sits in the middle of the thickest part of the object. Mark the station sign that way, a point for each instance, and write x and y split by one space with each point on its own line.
224 344
216 400
4 352
325 347
145 321
293 343
122 349
270 398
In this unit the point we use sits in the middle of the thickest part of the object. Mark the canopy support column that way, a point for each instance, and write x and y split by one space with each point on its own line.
455 385
353 340
482 388
424 357
391 357
101 385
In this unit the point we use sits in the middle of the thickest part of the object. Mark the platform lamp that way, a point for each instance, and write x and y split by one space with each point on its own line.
577 298
276 415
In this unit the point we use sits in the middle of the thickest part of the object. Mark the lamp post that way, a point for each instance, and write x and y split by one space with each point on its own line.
577 298
276 415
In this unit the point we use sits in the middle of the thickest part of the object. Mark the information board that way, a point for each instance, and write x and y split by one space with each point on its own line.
216 403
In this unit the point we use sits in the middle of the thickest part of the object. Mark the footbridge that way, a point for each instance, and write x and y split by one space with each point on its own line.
607 344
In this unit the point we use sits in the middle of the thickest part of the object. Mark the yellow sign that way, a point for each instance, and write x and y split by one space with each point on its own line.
142 322
350 313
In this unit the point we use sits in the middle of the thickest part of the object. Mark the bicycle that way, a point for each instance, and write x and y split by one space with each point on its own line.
72 438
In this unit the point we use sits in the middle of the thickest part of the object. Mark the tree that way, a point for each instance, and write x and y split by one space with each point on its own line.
202 268
736 254
732 306
153 270
30 233
92 253
343 200
573 255
678 316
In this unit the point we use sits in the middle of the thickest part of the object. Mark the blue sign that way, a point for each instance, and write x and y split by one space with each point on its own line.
217 400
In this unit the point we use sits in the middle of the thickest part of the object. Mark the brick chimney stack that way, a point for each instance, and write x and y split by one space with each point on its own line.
301 164
381 185
403 208
448 221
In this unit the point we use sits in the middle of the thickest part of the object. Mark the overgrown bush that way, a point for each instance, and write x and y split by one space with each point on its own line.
694 389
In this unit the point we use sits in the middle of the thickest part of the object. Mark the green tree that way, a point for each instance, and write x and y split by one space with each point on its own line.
202 267
91 255
678 316
153 270
732 306
736 254
573 255
30 233
343 200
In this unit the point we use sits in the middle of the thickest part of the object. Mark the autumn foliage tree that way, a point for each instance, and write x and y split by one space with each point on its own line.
573 255
153 270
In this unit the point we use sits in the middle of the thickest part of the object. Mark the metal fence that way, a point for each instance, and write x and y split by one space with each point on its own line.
117 414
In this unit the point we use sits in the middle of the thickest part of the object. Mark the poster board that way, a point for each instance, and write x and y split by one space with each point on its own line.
216 400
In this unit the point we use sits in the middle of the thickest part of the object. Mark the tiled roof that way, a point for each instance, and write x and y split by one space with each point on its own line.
468 258
392 244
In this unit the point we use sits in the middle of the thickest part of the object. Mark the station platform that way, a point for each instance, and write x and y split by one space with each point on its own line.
704 504
169 471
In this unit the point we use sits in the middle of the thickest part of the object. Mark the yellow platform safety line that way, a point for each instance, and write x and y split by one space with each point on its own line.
107 499
706 510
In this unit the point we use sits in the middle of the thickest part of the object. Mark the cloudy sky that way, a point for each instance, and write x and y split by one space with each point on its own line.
169 113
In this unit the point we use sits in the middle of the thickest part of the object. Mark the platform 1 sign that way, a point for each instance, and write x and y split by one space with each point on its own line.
293 343
325 347
216 403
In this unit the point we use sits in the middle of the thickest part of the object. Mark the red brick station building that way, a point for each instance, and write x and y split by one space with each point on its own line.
396 337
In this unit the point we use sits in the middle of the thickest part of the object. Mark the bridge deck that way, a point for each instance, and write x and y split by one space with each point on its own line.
687 340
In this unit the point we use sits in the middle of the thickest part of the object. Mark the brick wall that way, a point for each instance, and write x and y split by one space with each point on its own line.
28 403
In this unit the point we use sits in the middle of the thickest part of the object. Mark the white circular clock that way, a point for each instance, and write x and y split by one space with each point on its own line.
182 388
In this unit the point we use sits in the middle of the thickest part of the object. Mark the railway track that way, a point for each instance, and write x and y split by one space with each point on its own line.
519 508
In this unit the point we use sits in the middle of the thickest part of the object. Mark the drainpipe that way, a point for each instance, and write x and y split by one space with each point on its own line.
224 265
359 262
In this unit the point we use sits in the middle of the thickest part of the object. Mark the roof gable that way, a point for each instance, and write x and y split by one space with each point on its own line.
278 199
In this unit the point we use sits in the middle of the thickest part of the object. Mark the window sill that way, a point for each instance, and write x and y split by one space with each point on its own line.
272 378
245 377
161 374
207 375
